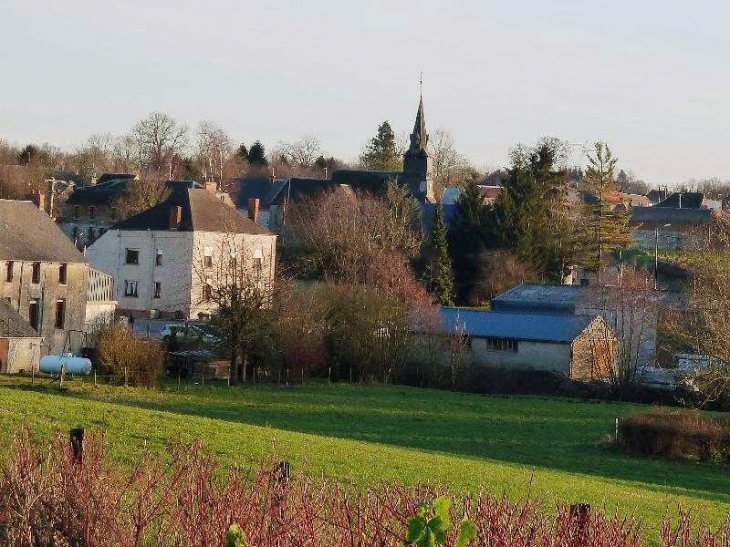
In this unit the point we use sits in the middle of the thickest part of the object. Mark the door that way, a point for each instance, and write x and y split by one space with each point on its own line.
4 353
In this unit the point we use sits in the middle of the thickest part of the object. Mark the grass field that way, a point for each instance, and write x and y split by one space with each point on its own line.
369 434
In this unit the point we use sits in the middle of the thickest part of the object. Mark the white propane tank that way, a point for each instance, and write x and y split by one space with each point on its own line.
51 364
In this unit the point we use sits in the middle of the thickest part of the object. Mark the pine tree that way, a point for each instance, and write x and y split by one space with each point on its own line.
607 230
441 277
468 239
257 154
381 152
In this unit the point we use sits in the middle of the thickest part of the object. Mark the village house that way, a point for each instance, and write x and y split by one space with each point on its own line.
682 221
43 278
161 258
579 347
20 344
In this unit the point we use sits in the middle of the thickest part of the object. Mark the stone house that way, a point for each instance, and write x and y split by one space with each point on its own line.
579 347
43 277
161 258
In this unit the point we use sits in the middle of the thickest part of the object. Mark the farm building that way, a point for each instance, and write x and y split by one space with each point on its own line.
580 347
20 344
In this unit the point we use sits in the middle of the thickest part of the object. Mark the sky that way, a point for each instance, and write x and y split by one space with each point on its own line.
651 78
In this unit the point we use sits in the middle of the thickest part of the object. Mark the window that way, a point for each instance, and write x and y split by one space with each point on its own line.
258 266
34 315
113 213
501 344
158 289
158 257
62 273
75 233
36 274
207 293
77 211
9 271
92 212
132 256
208 261
130 288
60 314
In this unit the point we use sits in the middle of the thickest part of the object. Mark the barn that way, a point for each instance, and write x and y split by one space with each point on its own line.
580 347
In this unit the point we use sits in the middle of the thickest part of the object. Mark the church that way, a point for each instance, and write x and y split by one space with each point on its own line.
417 174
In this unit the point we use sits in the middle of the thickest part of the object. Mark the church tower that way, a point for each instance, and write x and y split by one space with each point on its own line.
417 162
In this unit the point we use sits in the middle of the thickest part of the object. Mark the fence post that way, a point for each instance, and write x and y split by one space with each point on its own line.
615 433
126 383
94 377
76 438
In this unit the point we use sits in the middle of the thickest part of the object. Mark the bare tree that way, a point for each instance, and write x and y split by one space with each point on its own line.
139 196
630 308
214 150
158 138
240 297
302 153
449 166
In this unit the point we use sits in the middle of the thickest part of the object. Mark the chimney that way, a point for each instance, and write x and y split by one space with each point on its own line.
175 217
39 199
253 209
211 186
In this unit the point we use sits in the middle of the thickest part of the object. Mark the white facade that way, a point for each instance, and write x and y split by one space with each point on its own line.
165 270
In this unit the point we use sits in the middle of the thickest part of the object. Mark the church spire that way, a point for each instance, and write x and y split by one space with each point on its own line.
419 137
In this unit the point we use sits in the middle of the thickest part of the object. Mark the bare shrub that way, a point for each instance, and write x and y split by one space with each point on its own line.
127 358
679 435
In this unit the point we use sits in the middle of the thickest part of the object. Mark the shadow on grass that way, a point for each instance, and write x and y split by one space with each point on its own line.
544 432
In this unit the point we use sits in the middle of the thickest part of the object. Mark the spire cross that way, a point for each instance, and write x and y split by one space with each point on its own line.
420 85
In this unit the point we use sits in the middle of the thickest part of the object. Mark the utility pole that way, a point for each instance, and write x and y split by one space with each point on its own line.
656 258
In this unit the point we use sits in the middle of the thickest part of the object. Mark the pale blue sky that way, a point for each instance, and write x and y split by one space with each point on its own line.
650 77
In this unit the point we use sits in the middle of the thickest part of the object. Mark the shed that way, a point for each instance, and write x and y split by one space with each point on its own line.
580 347
20 344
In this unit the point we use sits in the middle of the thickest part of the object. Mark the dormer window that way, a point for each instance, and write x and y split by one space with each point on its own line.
36 273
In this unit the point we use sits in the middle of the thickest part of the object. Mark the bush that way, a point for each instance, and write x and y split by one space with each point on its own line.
53 498
127 358
678 435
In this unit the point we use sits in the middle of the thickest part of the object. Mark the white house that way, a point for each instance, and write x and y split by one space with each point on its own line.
159 258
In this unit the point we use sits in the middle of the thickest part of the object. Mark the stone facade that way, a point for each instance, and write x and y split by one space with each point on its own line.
53 303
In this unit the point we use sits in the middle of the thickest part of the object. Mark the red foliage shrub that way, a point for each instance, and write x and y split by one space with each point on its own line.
681 434
50 498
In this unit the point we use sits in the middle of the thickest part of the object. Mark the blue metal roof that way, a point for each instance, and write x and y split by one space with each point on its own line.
535 327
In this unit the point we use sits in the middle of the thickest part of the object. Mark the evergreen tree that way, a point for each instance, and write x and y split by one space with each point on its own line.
257 155
441 277
468 239
242 152
381 152
530 214
606 230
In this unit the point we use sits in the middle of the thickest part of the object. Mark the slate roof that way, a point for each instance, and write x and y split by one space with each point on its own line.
29 234
100 194
296 188
201 211
106 177
689 200
12 325
539 298
670 215
532 327
260 188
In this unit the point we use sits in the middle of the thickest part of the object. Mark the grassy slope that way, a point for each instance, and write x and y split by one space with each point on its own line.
370 434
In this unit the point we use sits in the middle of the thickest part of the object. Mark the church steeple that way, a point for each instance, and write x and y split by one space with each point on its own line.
417 161
419 137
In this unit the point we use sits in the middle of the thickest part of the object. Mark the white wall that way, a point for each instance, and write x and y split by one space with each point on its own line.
108 254
529 355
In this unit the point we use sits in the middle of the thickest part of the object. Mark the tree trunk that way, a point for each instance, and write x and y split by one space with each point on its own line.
233 373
